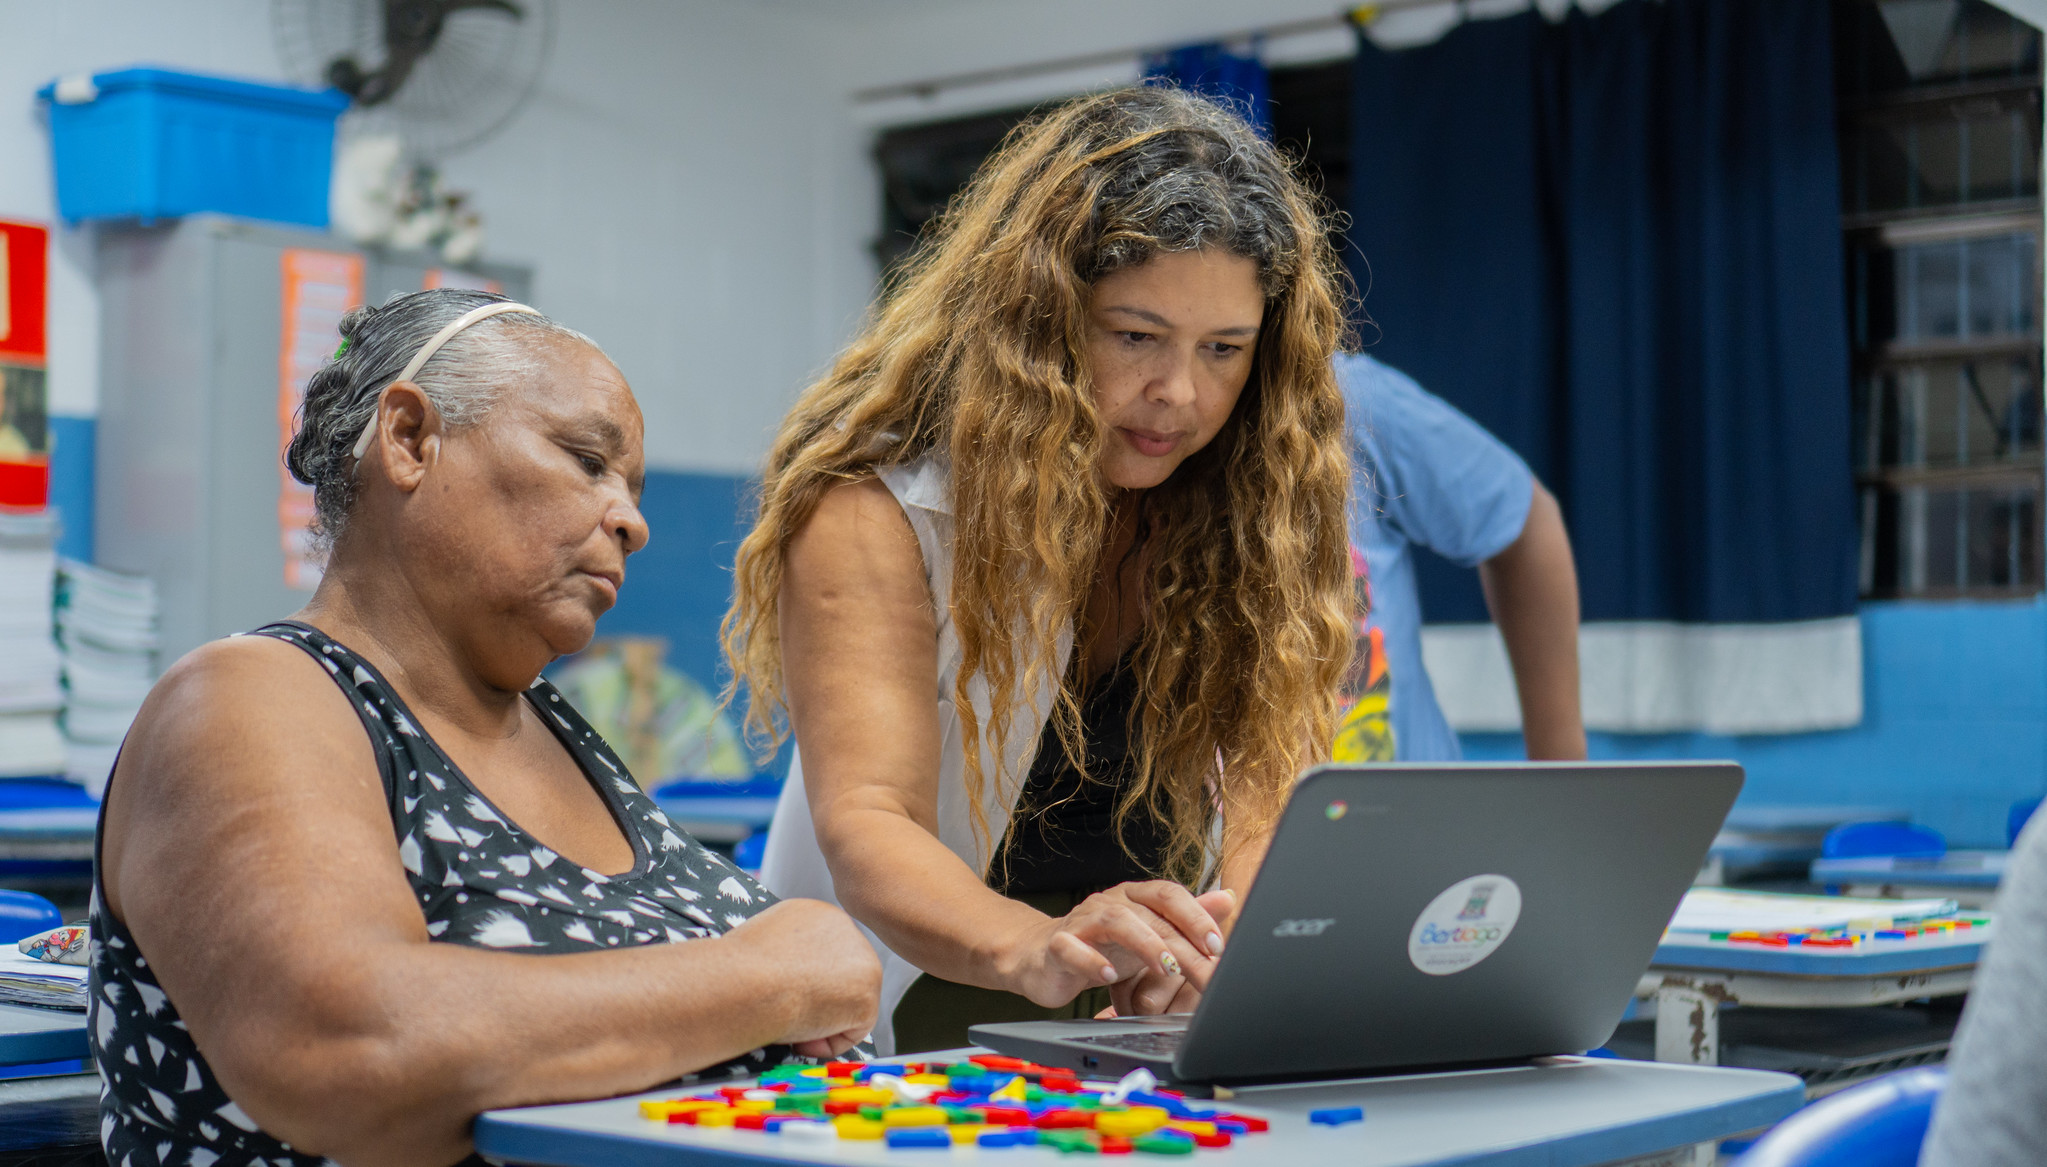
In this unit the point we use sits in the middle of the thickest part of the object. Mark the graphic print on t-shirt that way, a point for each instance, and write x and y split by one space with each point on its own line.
1365 731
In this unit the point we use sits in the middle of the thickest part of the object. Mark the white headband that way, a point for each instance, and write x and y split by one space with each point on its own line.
426 352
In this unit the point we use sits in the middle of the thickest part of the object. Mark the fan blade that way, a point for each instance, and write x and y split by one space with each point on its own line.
347 76
410 29
379 86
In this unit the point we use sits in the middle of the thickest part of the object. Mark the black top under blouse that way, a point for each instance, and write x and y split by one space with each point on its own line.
481 881
1062 837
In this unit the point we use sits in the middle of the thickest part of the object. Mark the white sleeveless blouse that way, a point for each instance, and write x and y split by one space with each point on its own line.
794 866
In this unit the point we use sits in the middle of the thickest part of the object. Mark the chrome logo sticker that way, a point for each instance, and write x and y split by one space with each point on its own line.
1464 925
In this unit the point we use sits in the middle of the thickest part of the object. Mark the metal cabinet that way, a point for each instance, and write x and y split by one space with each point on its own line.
194 372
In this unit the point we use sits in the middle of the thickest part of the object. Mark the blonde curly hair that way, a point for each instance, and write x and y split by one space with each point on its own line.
977 354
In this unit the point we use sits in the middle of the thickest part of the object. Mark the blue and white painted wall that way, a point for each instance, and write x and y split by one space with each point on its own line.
1954 724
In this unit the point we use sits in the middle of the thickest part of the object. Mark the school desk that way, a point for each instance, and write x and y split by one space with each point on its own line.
712 815
1560 1112
1691 976
47 841
31 1034
1970 878
51 1119
1763 840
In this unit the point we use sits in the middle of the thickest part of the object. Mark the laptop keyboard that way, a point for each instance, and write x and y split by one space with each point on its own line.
1165 1041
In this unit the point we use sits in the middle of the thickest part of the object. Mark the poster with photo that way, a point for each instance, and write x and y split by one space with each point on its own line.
24 388
24 414
319 287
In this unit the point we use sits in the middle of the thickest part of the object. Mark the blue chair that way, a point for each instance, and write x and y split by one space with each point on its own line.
751 850
2014 822
1876 1124
1859 840
24 913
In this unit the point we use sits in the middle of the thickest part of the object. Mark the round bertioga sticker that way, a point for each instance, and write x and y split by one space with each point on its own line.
1464 925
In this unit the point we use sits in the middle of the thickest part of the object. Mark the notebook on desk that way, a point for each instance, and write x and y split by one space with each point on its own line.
1413 916
24 980
1717 909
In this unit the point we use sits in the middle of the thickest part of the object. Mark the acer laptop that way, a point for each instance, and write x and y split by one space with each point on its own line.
1426 916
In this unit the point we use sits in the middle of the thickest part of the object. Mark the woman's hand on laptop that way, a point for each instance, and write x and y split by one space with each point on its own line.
1155 931
1153 992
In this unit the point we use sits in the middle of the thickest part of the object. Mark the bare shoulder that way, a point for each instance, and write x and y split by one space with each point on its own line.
238 692
217 734
858 531
861 510
234 657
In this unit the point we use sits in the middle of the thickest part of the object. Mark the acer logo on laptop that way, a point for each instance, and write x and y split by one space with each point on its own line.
1302 927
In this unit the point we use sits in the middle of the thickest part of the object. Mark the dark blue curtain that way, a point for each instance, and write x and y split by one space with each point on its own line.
1615 242
1211 69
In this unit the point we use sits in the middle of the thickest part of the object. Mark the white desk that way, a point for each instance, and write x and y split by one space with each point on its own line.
56 1116
1970 878
1691 977
1565 1112
29 1034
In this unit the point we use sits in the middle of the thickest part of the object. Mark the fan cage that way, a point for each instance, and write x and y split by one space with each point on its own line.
483 69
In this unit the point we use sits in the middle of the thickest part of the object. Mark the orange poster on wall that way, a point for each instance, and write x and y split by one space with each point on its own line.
24 345
319 287
447 277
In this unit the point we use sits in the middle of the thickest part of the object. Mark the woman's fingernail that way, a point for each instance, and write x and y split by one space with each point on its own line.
1167 962
1215 944
1109 974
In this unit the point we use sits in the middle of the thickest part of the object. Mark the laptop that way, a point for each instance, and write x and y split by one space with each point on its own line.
1428 916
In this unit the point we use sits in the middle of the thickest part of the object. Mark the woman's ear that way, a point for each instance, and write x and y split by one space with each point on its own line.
408 434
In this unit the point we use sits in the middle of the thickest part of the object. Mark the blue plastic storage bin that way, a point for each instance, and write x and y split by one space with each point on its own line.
153 144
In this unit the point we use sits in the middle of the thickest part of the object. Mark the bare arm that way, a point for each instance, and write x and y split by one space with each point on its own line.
1532 590
248 848
860 654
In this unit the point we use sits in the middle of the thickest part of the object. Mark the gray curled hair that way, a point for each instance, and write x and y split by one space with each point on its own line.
463 381
1193 174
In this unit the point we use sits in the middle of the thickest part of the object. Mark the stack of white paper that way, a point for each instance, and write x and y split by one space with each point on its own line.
1720 909
106 623
29 692
24 980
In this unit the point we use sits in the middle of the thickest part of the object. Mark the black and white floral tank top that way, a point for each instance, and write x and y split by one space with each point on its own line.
481 881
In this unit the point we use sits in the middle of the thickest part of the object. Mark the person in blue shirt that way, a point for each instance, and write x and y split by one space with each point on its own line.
1428 476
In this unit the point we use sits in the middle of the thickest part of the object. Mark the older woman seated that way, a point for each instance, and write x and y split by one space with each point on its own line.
362 873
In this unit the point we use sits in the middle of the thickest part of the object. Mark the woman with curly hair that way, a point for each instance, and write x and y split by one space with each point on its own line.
1050 577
